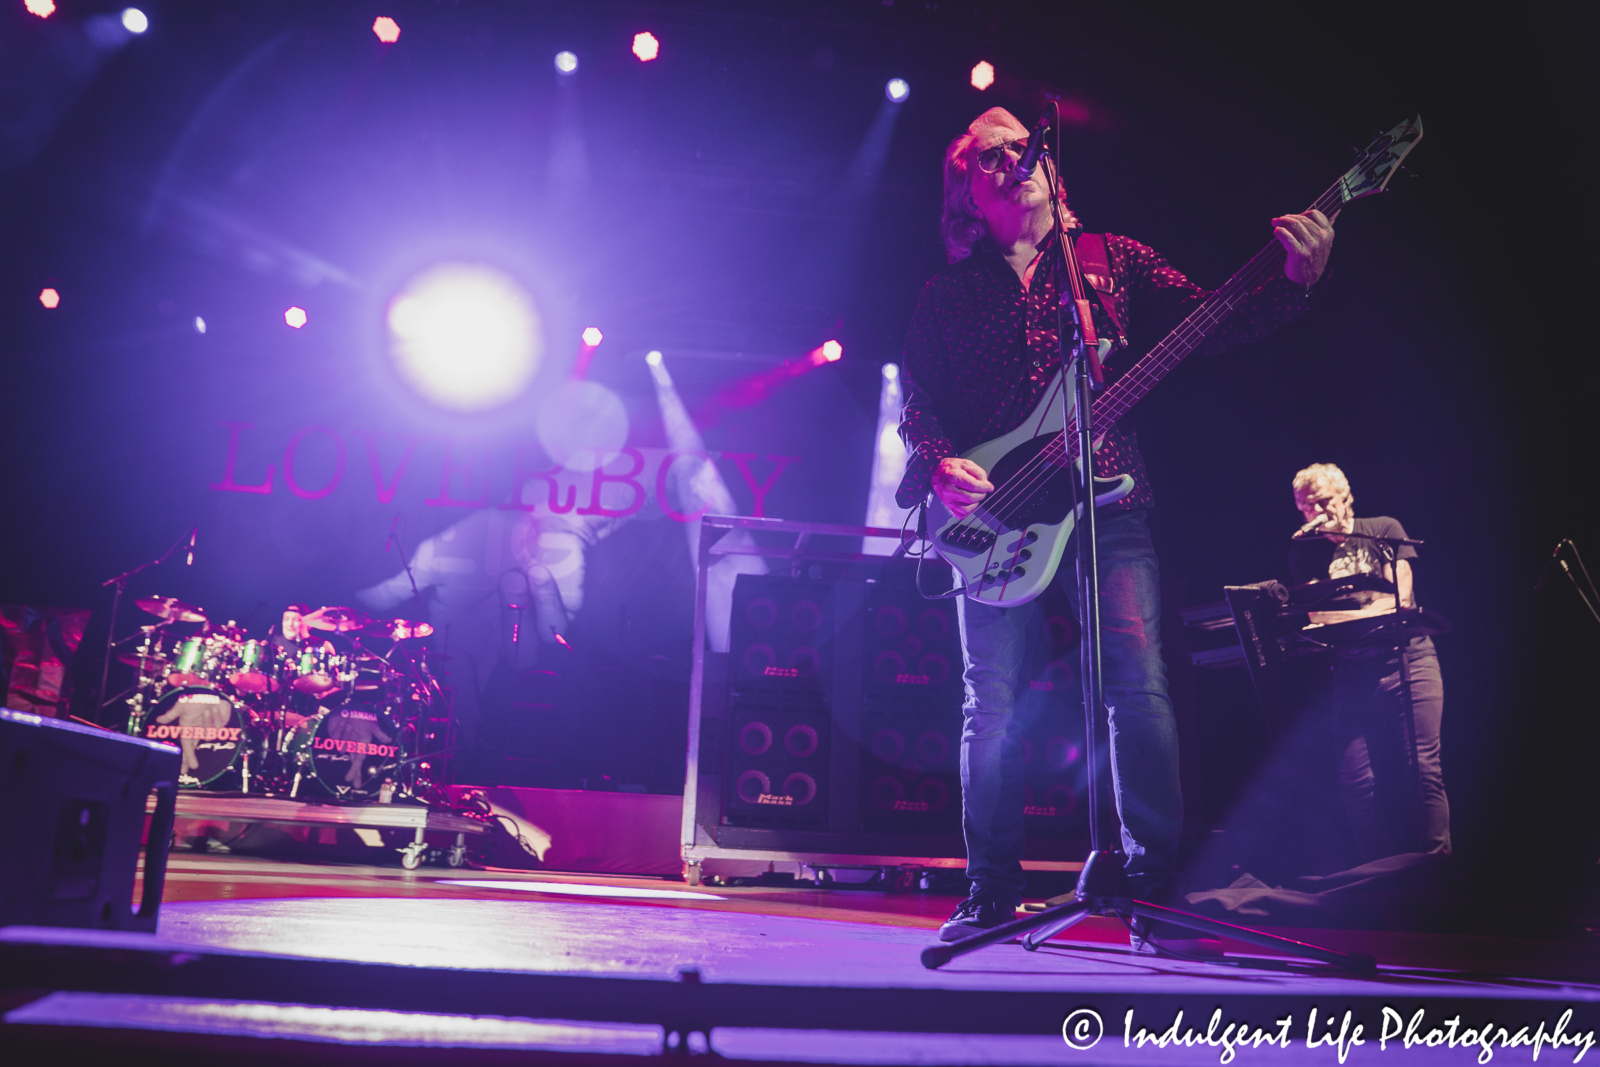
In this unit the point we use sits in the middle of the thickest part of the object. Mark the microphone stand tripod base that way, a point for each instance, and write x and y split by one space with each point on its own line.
1103 889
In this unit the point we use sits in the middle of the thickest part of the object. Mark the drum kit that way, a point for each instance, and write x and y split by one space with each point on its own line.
290 717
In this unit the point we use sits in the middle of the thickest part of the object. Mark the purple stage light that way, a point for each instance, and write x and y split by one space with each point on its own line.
465 336
566 62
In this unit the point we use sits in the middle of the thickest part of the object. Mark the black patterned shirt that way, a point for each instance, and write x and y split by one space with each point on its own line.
982 350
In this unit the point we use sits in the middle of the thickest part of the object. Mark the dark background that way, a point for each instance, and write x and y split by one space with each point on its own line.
240 158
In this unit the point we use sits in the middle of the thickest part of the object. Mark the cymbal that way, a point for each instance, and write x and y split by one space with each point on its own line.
133 659
231 631
342 620
398 629
168 607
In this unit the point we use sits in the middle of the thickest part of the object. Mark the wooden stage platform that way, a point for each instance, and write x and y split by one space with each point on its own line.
264 961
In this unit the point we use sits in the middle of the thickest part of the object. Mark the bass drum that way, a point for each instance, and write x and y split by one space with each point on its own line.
347 750
207 725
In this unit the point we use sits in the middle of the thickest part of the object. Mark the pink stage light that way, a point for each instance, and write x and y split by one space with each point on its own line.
592 337
832 350
983 75
645 46
49 298
387 29
44 9
295 317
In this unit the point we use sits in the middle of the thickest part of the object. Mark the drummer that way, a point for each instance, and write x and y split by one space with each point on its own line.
297 635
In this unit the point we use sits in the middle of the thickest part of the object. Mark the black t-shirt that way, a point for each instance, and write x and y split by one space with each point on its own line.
1317 558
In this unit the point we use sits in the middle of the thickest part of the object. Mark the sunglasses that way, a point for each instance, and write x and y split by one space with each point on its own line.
992 159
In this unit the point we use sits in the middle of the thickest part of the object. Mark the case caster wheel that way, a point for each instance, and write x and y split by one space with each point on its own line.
411 857
456 857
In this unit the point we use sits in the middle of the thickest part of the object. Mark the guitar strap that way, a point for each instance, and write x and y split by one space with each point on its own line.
1096 264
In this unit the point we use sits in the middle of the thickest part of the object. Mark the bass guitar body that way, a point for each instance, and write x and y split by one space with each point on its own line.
1006 552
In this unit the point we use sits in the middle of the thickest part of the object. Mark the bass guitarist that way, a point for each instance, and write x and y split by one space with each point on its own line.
981 351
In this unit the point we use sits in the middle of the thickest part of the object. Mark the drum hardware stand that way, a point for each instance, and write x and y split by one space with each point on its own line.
121 582
1103 886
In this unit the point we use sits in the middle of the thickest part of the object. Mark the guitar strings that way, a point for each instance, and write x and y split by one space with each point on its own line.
1146 373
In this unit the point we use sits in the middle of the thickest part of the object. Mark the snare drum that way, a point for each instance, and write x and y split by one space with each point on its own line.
206 724
320 670
253 667
349 749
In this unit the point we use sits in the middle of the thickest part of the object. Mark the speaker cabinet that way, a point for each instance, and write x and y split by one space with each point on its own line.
74 799
778 762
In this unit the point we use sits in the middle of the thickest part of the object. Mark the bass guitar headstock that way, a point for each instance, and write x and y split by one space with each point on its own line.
1379 162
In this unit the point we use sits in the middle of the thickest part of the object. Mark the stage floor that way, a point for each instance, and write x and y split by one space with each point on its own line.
260 955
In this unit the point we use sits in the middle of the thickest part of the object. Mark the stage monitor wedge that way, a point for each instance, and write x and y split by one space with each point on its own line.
74 798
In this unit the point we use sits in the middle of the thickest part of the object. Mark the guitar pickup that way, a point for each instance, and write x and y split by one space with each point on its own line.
971 538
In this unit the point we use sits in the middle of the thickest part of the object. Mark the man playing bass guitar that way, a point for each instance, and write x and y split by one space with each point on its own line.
981 351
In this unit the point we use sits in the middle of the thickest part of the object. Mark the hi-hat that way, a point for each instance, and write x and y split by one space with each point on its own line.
168 607
341 619
398 629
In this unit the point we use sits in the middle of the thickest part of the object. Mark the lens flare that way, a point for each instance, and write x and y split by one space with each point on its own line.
465 336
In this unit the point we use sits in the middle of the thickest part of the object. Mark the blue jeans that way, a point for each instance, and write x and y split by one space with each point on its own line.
1144 733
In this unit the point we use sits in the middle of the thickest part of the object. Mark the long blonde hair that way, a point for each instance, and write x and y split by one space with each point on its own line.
959 223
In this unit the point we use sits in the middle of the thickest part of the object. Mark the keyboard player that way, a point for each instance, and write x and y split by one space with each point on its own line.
1387 811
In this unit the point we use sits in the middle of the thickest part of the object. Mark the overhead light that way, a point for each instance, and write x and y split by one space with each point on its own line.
134 20
49 298
566 62
43 8
645 46
466 336
199 324
653 358
832 350
592 337
897 90
387 29
983 75
295 317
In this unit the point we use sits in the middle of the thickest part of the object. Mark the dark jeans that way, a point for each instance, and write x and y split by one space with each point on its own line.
1395 803
1144 734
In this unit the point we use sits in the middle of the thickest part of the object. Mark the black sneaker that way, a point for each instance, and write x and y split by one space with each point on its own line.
979 912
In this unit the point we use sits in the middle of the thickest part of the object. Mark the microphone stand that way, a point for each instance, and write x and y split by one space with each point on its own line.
121 583
1103 887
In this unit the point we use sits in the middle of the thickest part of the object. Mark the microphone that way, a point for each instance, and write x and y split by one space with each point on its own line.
194 533
1311 527
1024 169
